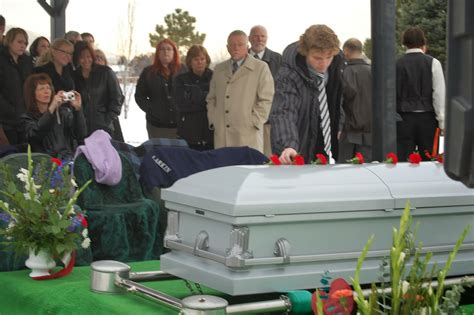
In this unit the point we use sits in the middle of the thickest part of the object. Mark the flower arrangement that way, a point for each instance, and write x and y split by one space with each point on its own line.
398 291
410 292
357 159
39 209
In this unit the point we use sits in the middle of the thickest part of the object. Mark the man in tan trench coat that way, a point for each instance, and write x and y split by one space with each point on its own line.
240 97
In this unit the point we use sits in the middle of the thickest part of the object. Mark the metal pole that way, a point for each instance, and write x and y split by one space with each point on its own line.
384 129
283 304
151 276
161 297
57 12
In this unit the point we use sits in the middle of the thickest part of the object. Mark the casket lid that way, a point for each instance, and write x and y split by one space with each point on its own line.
425 185
273 190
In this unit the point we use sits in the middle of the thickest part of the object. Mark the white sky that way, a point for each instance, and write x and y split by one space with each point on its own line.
285 20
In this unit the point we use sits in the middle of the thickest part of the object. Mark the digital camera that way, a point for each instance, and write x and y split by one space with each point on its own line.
69 96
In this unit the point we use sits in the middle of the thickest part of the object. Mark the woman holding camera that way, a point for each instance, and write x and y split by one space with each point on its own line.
54 123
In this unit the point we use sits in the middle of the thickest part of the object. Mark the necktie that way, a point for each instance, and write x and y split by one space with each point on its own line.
256 56
324 115
235 66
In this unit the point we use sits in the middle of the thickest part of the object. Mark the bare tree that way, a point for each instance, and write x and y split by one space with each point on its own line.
219 57
126 50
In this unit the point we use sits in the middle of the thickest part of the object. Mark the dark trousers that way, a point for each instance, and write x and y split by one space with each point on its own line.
348 150
415 133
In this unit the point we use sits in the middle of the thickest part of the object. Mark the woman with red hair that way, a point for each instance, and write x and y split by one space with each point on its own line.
154 92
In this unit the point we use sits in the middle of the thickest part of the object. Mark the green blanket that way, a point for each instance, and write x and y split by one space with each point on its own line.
72 295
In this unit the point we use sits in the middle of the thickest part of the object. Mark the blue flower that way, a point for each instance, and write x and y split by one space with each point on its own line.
5 217
75 223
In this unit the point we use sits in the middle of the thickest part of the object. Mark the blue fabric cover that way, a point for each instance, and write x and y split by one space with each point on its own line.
165 165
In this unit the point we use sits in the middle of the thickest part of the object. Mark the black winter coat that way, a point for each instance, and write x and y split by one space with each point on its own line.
12 78
357 92
45 134
62 82
295 105
190 98
102 98
154 95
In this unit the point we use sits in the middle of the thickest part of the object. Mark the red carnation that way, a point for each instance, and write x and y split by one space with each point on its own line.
321 159
414 158
391 158
298 160
436 157
357 159
274 160
84 221
56 161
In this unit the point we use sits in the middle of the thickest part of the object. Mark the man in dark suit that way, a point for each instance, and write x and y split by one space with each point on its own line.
258 49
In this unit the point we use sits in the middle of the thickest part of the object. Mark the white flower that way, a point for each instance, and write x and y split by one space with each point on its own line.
23 175
86 243
5 205
430 291
85 233
401 258
73 182
51 191
11 225
405 286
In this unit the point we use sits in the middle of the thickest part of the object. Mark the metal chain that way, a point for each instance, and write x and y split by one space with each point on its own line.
198 287
190 287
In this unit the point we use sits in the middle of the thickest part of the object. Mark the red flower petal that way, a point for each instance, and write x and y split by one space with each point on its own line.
414 158
392 158
275 160
360 157
84 222
56 161
321 159
298 160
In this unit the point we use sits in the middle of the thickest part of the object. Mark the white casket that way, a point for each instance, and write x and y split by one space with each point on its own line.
255 229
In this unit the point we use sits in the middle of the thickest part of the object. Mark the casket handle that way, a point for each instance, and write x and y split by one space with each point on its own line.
201 243
282 249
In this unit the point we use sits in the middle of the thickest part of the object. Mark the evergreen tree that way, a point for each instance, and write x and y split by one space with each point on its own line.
368 48
180 29
430 16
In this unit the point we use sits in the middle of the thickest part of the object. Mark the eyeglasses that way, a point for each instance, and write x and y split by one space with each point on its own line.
165 49
63 51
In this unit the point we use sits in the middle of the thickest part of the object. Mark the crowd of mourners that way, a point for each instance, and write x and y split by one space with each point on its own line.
314 98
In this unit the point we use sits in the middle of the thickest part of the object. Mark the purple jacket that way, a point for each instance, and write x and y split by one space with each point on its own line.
103 157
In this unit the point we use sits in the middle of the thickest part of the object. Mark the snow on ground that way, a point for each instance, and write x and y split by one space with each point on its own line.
134 126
